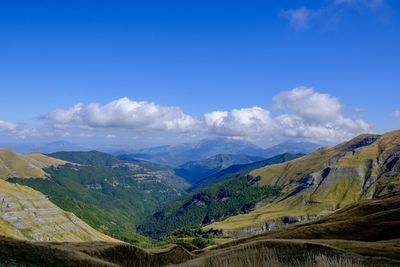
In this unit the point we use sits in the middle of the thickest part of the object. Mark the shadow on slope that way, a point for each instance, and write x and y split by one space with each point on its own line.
15 253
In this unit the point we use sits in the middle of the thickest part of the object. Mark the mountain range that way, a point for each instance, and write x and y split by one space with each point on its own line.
340 203
176 155
194 171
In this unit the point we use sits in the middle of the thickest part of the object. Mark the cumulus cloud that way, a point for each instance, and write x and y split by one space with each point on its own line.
310 105
307 114
124 113
240 122
303 113
340 129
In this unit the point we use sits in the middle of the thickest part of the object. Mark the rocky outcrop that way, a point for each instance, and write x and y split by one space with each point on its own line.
274 225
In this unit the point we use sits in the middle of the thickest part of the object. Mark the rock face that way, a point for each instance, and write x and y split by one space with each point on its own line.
326 180
273 225
28 215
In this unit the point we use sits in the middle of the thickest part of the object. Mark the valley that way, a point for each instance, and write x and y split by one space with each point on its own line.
224 205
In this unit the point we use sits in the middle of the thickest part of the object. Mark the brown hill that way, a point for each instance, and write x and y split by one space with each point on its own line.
322 182
25 166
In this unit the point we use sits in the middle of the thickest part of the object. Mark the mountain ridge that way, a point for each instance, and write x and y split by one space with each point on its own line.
13 164
319 183
175 155
194 171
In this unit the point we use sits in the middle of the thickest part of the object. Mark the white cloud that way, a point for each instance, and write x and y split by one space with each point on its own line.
303 114
315 116
17 130
306 114
7 126
340 129
124 113
310 105
240 122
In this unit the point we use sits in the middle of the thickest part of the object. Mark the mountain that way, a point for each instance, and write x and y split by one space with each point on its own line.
194 171
322 182
364 234
27 214
109 194
238 169
368 220
290 147
25 166
176 155
233 194
147 171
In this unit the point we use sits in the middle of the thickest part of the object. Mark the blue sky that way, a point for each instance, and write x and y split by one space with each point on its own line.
198 56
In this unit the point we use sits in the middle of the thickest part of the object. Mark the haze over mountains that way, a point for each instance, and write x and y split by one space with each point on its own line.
175 155
194 171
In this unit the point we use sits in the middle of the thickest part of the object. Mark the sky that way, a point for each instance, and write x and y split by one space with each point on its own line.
142 73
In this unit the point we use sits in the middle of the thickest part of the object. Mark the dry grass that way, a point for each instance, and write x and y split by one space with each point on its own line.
285 253
24 253
257 255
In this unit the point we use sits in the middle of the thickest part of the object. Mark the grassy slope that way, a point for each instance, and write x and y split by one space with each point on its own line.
111 195
369 227
326 180
238 169
87 254
299 245
194 171
27 214
233 194
363 234
112 210
25 166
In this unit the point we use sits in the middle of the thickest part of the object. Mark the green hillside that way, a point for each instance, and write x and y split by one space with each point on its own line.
322 182
194 171
234 194
27 214
237 169
109 194
361 235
